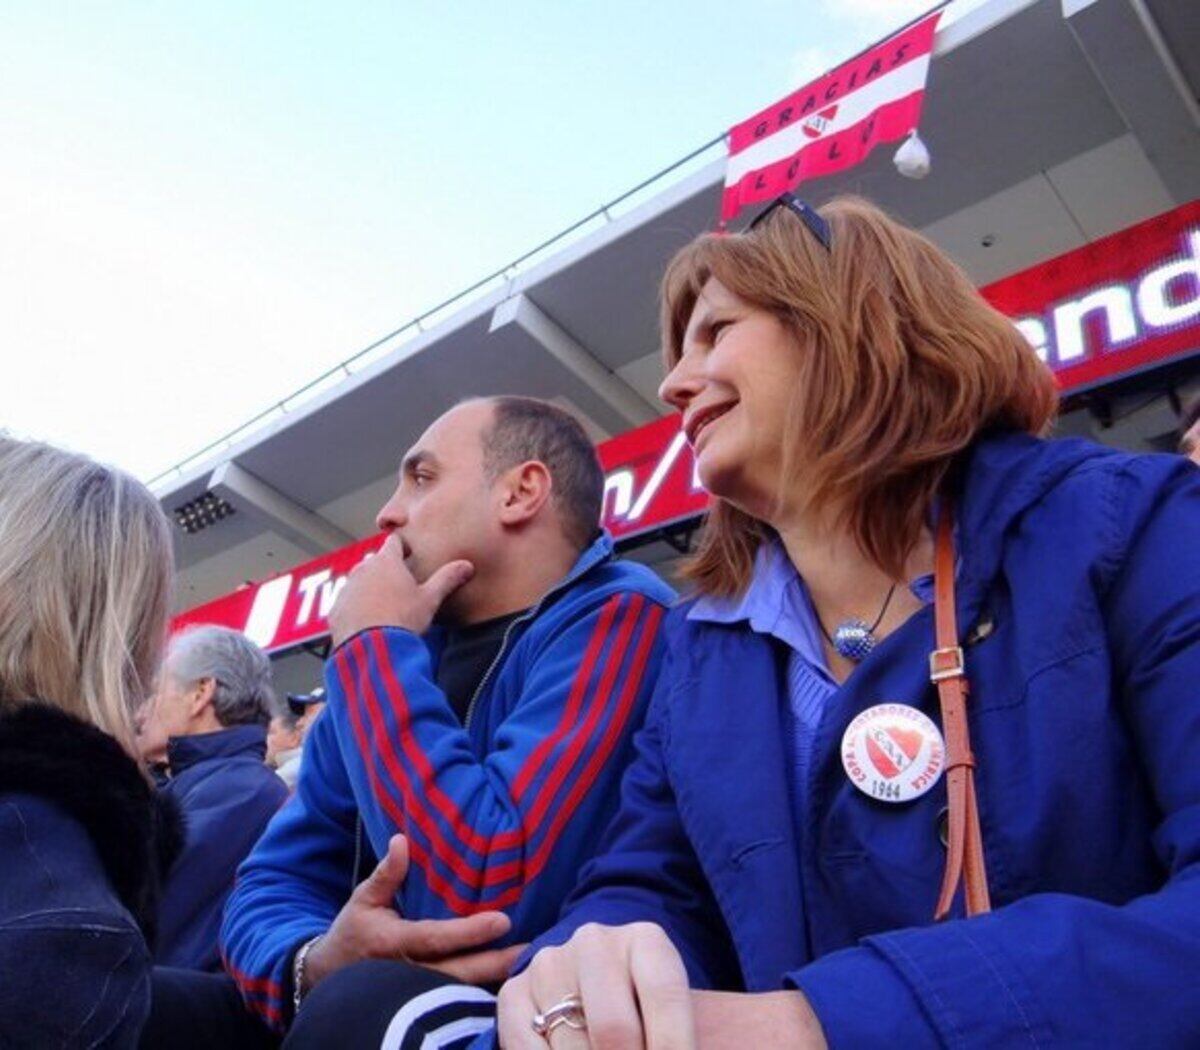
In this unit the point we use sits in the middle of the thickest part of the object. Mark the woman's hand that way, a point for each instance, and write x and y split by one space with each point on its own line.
634 992
630 980
765 1021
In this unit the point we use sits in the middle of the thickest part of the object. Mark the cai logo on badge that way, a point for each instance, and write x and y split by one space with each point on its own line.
893 753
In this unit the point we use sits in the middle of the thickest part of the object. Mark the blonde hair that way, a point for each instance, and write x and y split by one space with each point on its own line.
903 365
85 577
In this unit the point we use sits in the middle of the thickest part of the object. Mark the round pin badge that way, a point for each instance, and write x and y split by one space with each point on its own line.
892 752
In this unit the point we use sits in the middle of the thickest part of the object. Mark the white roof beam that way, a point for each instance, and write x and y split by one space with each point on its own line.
523 312
1129 56
283 515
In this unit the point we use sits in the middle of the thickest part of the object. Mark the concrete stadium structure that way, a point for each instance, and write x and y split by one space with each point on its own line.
1053 124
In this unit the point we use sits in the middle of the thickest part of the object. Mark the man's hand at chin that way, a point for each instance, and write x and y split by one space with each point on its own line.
382 592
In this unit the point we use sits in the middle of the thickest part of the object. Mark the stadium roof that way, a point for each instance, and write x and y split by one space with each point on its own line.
1051 123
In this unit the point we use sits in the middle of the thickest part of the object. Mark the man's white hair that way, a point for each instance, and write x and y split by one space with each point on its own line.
240 669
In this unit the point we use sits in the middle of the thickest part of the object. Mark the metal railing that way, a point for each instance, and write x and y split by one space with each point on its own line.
344 368
415 326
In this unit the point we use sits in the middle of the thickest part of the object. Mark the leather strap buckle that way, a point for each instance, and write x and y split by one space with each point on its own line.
946 663
965 862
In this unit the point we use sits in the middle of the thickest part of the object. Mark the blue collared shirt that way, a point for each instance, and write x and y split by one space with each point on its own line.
777 603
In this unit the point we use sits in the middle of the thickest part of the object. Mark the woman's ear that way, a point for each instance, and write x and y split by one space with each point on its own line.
525 490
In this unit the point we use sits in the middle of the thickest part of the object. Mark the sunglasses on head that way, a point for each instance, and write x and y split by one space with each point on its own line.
816 225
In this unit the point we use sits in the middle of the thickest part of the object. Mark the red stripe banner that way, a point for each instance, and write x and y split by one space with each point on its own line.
832 123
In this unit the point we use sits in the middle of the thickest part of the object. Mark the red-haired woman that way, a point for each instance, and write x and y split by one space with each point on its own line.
815 783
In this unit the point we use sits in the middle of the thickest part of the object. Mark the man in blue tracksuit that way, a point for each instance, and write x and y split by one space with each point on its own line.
475 762
1078 598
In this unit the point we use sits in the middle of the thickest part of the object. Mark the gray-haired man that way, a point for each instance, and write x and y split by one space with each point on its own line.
213 703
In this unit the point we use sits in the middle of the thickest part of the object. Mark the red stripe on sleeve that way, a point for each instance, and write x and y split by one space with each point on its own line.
254 987
584 782
414 795
260 985
537 758
446 807
413 798
441 886
598 707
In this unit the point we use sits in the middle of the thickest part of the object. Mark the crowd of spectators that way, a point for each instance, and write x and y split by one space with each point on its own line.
541 801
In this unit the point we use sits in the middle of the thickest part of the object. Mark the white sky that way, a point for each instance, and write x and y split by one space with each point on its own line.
204 207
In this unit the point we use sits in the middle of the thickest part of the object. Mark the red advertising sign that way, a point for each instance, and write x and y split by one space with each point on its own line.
289 609
1111 308
649 479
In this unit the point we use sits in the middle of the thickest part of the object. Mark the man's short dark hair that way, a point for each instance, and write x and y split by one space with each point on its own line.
1191 414
526 428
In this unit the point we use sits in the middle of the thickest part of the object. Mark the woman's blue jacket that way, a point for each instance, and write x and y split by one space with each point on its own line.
85 842
1085 722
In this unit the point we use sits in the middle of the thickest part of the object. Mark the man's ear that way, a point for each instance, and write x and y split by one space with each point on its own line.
201 695
524 491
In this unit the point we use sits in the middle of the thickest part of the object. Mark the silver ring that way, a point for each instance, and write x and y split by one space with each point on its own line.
568 1011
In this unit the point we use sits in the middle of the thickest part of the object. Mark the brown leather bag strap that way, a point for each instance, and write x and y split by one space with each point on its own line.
964 856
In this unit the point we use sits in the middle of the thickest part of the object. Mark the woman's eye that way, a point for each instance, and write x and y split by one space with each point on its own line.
716 329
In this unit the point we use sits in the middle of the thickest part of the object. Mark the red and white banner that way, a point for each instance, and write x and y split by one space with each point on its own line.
832 123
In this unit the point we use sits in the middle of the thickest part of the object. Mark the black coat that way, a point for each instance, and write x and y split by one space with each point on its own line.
86 843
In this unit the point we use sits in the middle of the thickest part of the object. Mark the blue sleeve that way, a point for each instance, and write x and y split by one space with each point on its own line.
294 882
1053 969
646 869
509 829
76 970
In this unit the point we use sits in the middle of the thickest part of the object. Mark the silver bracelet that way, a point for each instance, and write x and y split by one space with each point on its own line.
298 961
